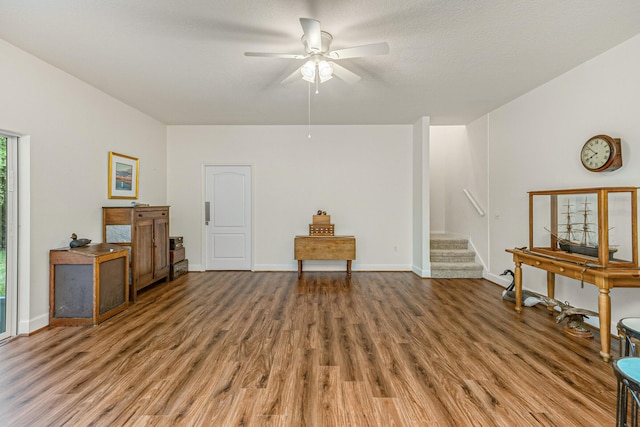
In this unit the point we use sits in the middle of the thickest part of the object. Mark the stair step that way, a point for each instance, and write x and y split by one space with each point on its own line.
452 255
448 243
466 270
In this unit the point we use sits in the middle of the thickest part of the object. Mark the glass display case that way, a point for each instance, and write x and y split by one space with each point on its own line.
596 226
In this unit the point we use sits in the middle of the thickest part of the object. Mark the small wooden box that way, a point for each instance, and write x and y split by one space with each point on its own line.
322 219
321 229
175 242
176 255
178 269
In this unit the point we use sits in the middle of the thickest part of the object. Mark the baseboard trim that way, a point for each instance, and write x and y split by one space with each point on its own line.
317 265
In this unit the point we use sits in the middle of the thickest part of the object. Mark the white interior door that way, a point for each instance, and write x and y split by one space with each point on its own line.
228 217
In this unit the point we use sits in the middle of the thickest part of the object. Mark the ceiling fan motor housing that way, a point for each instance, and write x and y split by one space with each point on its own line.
325 41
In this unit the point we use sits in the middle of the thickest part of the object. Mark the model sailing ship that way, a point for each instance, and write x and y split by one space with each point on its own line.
578 236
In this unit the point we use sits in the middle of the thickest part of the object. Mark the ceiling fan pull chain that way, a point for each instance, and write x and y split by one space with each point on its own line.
309 109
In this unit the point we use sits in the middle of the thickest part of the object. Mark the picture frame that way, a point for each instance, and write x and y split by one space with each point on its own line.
123 176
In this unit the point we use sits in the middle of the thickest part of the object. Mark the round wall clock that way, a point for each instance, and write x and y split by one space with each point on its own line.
601 153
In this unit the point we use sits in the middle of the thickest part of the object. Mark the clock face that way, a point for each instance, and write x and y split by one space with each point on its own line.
596 153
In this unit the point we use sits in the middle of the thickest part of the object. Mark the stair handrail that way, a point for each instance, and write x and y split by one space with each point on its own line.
473 202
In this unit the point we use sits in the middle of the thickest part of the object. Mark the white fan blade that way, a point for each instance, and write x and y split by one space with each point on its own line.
276 55
343 74
311 29
365 50
295 76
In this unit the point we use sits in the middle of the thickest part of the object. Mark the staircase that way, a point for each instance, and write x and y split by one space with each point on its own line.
452 258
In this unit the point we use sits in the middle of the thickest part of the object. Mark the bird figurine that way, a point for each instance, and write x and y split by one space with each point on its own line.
76 243
529 299
575 316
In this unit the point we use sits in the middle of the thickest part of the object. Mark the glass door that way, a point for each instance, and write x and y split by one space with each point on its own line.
8 212
3 236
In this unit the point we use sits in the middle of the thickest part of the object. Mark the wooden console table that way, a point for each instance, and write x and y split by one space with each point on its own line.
604 278
325 248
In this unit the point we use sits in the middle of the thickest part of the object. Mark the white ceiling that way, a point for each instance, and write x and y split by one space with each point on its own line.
182 62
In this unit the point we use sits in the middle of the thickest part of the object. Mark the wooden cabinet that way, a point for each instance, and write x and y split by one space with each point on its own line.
88 284
145 231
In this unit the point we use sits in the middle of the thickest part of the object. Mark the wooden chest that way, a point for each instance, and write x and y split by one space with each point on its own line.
176 255
178 269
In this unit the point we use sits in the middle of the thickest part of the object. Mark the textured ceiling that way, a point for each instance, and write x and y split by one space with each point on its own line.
182 62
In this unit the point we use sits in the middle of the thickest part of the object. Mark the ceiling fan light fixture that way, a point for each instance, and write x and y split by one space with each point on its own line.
325 70
308 71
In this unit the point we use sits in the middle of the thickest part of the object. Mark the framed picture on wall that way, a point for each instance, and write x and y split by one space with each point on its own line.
123 176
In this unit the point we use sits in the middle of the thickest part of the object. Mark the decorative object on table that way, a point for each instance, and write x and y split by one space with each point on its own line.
576 231
123 176
179 264
594 225
77 243
575 316
601 153
529 299
321 225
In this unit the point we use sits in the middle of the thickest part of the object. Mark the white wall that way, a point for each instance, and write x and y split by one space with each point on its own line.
360 175
534 144
72 127
421 197
440 142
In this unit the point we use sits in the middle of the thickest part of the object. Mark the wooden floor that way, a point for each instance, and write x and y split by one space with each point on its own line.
267 349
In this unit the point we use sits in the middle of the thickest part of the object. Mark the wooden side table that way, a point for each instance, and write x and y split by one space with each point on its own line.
87 285
325 248
604 279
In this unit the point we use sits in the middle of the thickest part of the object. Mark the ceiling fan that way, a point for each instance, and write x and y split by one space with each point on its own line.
321 65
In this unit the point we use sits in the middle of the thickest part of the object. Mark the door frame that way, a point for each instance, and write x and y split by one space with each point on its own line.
203 198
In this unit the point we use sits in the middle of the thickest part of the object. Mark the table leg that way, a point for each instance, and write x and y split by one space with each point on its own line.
551 289
299 268
518 282
604 309
348 268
